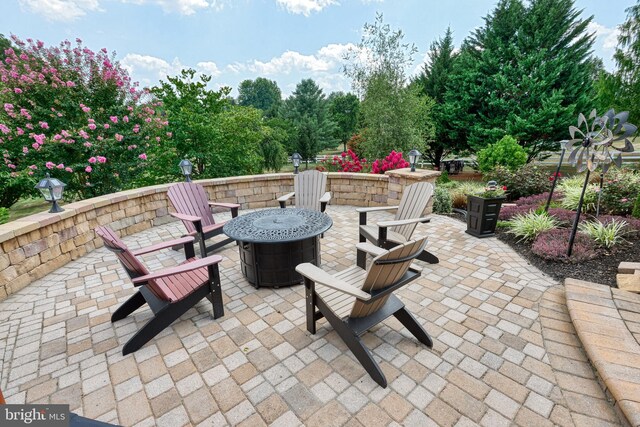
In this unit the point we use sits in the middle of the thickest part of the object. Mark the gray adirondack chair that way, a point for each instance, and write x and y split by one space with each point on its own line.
355 300
309 189
169 292
387 234
193 208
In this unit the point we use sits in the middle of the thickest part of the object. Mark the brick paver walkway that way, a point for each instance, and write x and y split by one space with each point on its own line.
505 349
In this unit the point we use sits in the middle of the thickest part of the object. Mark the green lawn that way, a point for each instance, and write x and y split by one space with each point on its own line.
26 207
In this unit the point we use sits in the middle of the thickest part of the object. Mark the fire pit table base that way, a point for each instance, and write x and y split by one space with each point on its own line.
273 264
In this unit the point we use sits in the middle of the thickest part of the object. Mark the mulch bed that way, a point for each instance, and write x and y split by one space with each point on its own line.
602 269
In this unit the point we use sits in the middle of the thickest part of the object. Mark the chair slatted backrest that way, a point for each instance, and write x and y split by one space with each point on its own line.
131 264
412 205
384 271
309 187
191 199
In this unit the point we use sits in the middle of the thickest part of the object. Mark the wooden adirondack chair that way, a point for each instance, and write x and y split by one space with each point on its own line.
309 189
388 234
193 208
355 300
169 292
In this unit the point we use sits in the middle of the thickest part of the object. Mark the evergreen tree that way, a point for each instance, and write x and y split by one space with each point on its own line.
627 57
308 110
433 82
527 72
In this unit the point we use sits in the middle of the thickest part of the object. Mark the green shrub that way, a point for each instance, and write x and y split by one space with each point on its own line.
620 190
442 203
506 152
605 235
4 215
528 226
527 181
636 208
443 178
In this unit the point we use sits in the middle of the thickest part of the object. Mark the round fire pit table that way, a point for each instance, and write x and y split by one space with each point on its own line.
273 242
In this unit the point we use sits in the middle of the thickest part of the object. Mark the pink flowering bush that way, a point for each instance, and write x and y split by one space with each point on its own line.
552 245
393 161
73 113
346 162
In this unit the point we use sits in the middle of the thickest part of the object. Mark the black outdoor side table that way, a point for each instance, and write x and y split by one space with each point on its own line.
273 242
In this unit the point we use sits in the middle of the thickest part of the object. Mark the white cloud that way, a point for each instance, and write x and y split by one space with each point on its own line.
61 10
607 37
305 7
288 61
209 68
149 70
183 7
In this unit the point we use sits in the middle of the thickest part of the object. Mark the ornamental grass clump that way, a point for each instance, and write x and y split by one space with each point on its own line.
460 191
552 245
605 235
529 226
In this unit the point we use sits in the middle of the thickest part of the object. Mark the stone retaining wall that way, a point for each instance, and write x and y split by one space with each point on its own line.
34 246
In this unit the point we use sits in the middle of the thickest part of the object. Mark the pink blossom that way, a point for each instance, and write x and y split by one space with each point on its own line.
88 169
92 160
136 128
83 134
101 159
125 119
11 166
20 131
85 108
39 138
35 146
44 125
87 144
25 150
92 126
4 128
118 137
60 166
33 167
50 165
114 119
143 156
68 169
157 139
29 126
8 107
169 134
17 90
106 125
70 84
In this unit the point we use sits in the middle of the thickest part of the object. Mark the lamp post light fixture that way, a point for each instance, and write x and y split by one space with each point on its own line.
414 155
186 167
295 159
52 189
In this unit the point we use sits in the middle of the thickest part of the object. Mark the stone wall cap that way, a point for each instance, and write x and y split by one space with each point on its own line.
418 174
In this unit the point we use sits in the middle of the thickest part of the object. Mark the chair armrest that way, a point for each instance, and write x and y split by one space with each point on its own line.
282 200
163 245
326 197
318 275
225 205
377 208
371 249
393 223
183 268
185 217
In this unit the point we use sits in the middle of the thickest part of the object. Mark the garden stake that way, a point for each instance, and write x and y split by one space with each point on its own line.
574 229
555 178
599 194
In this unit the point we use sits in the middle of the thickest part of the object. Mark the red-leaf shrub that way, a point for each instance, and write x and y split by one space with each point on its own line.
565 216
393 161
538 199
508 212
553 244
633 224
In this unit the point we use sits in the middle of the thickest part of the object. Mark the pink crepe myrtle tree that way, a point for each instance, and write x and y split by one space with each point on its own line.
76 114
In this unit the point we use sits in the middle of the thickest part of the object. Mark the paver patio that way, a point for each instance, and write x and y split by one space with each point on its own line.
505 350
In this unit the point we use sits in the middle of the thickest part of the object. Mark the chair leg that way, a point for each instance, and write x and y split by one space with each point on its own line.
310 299
413 326
132 304
163 318
353 341
215 292
428 257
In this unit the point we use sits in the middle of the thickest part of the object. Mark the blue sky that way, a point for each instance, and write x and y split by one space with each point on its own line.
283 40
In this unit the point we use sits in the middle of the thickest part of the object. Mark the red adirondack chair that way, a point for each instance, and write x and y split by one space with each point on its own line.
169 292
193 208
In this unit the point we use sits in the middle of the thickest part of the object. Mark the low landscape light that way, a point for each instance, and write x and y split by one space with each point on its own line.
52 189
186 167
